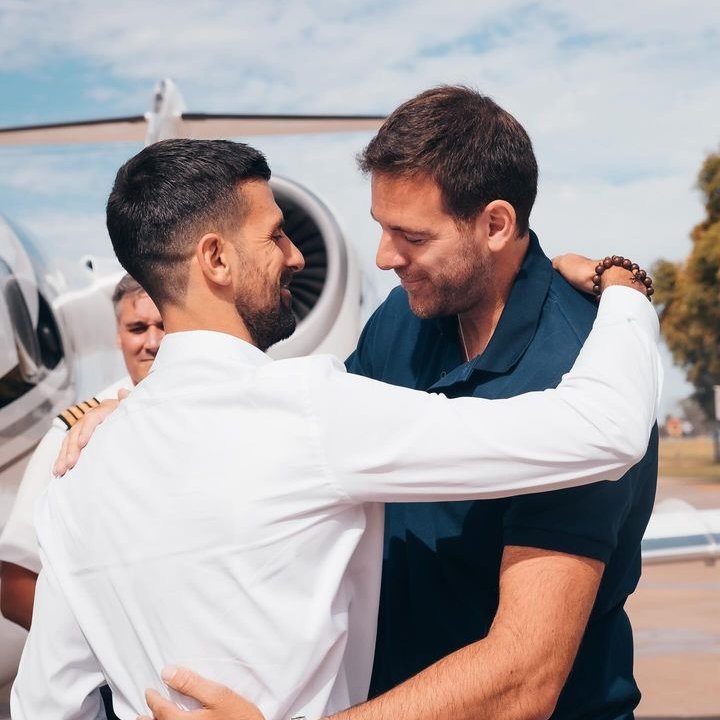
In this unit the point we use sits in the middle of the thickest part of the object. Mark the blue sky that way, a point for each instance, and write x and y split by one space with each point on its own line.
621 100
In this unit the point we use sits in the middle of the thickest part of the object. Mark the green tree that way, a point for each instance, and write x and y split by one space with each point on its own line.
688 294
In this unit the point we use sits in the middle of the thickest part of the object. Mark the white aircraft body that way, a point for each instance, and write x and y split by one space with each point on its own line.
57 327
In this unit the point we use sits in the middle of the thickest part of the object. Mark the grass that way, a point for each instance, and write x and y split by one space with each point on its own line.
691 457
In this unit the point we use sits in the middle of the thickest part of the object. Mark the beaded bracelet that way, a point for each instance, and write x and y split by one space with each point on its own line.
639 275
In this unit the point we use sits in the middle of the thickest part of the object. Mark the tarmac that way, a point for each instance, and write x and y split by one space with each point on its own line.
675 613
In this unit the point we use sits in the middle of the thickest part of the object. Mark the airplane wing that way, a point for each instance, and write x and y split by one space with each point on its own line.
126 129
196 125
168 118
678 531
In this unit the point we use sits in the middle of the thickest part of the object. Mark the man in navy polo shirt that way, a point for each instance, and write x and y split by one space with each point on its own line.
524 595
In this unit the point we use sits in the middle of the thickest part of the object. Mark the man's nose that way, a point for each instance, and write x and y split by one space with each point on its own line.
387 256
294 258
152 339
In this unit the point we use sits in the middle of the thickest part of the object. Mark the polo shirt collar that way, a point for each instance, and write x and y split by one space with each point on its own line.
518 321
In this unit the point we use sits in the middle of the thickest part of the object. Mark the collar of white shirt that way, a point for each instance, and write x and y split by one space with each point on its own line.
190 345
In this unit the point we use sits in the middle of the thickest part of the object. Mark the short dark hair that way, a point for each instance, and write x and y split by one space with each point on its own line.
472 148
168 195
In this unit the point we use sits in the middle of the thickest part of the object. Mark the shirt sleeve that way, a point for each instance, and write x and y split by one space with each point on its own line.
58 676
586 520
385 443
18 542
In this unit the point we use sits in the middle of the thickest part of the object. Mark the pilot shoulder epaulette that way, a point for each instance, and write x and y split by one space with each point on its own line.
70 416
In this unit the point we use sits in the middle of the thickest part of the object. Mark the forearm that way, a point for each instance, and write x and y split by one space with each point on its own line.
17 593
518 671
492 678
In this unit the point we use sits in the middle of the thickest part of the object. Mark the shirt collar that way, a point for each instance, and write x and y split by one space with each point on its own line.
200 345
518 321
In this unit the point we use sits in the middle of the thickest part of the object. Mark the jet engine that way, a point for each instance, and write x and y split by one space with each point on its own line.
326 293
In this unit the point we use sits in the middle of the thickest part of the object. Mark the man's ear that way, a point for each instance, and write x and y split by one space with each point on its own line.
501 224
213 255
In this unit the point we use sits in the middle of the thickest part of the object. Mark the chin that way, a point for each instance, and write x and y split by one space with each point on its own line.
424 310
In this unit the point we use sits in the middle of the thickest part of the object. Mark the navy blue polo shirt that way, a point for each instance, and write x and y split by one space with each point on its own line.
442 560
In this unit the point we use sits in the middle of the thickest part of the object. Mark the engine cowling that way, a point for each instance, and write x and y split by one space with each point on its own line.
326 293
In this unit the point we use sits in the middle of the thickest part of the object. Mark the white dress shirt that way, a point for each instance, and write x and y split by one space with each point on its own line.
228 516
18 541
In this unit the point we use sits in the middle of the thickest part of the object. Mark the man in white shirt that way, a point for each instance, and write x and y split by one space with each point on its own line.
245 494
139 332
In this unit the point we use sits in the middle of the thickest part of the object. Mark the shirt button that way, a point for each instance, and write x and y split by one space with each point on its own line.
443 374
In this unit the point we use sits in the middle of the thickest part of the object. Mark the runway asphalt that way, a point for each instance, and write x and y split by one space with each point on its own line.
675 614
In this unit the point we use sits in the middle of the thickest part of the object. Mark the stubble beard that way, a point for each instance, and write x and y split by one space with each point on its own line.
270 323
462 284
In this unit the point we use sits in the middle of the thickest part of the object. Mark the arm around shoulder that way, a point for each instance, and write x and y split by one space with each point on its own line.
616 381
386 443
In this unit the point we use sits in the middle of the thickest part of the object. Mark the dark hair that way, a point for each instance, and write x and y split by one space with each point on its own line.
472 148
167 196
126 286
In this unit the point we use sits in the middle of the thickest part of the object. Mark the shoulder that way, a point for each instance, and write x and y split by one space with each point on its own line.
111 391
68 417
301 377
307 366
568 307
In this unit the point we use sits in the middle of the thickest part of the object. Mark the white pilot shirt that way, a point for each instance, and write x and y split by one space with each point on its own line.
18 541
227 517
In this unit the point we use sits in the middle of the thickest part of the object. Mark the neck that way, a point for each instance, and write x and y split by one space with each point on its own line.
215 317
477 324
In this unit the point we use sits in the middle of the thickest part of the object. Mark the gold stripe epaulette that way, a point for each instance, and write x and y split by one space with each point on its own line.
75 412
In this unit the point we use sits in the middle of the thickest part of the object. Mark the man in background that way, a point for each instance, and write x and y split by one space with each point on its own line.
139 332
